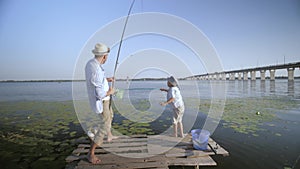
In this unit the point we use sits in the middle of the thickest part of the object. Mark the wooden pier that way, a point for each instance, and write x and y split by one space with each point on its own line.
160 152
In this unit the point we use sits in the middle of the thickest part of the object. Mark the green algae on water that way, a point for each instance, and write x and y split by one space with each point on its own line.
241 114
34 134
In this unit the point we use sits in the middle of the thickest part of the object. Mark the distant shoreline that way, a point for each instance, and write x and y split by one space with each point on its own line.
12 81
141 79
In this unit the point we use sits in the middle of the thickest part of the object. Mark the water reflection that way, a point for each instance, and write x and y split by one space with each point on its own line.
245 86
263 86
291 88
253 86
272 86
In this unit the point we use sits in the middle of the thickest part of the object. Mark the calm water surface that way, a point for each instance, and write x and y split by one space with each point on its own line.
267 150
61 91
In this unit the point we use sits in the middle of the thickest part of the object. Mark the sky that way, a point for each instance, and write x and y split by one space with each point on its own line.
45 39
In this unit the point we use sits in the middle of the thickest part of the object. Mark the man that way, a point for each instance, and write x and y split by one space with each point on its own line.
99 97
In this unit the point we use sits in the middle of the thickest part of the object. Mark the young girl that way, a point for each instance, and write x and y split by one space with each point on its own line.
175 99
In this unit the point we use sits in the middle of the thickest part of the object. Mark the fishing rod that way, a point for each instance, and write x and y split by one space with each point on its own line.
119 49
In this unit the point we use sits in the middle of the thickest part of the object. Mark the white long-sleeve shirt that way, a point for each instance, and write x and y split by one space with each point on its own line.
97 85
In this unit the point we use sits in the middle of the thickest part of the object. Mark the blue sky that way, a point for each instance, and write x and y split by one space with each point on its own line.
43 39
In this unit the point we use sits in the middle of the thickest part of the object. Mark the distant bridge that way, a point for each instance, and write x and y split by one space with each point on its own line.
290 67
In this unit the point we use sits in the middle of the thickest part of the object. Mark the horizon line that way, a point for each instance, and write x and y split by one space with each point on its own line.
137 79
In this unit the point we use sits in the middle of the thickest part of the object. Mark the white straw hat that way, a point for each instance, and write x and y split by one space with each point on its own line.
100 49
172 80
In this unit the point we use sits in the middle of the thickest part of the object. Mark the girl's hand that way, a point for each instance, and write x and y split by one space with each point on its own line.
164 90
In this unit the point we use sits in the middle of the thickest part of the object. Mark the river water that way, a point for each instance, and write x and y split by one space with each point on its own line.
276 146
60 91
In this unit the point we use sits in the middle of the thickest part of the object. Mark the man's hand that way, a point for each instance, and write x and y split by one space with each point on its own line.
110 79
111 91
163 103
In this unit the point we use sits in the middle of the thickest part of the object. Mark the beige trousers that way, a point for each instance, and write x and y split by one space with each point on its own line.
105 123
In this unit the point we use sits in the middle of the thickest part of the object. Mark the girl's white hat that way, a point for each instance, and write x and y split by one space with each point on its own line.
172 80
100 49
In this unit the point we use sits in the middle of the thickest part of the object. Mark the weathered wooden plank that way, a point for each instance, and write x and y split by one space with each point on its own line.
134 155
161 144
131 144
202 161
117 150
86 150
121 160
110 160
178 150
97 167
146 165
185 153
114 159
74 158
84 146
154 149
219 150
128 140
120 143
119 167
131 164
140 149
175 152
137 137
